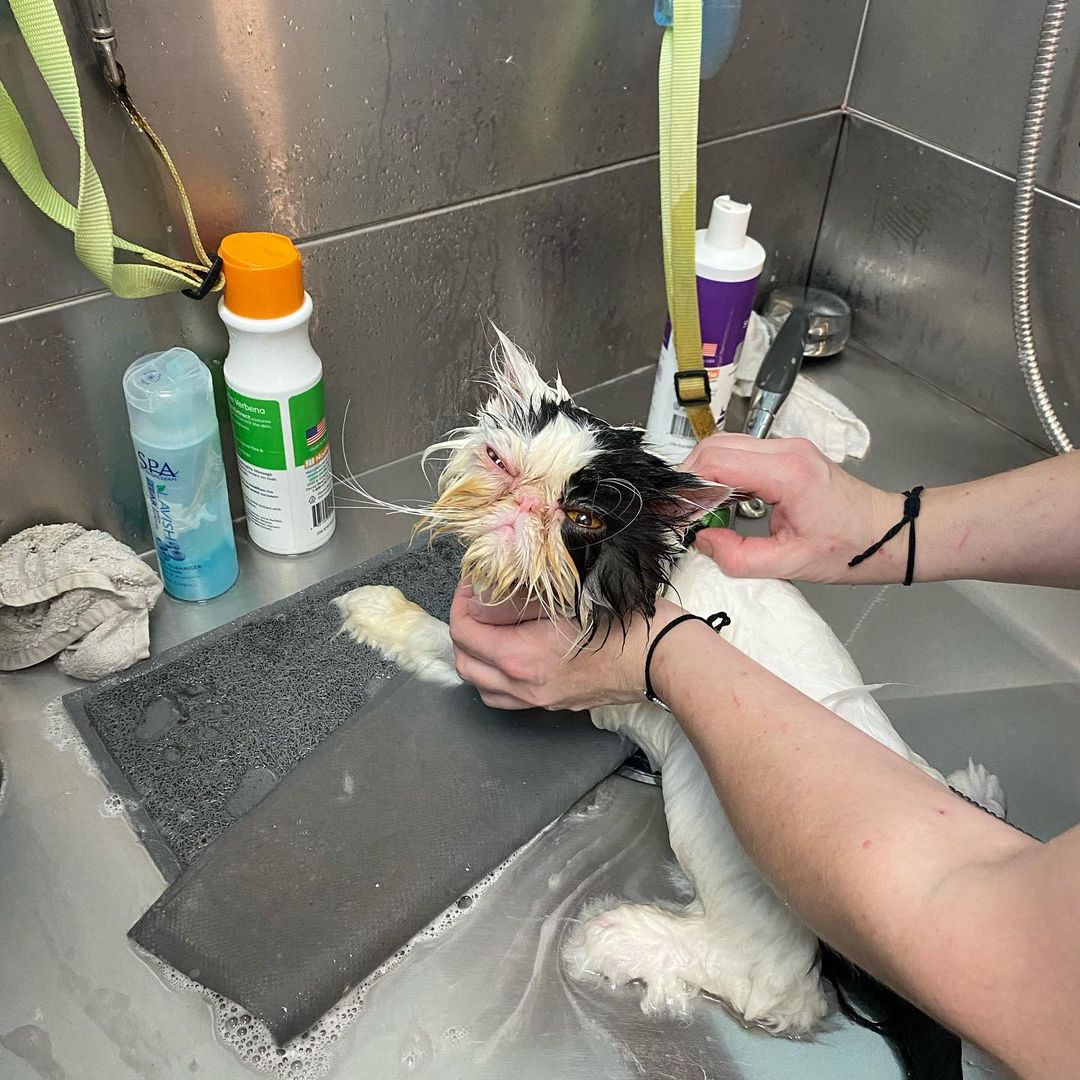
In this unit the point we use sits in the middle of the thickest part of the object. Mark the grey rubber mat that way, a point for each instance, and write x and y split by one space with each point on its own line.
195 737
408 804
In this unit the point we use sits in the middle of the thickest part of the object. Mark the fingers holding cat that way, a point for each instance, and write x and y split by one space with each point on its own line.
821 515
511 611
536 663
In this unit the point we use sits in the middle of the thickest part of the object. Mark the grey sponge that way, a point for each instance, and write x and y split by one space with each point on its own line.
408 804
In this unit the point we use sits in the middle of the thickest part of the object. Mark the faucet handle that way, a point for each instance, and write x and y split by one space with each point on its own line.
775 379
777 373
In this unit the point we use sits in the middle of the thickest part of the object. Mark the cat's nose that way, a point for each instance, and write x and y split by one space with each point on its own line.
528 502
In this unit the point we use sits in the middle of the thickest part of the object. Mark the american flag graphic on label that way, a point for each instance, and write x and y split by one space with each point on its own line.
314 434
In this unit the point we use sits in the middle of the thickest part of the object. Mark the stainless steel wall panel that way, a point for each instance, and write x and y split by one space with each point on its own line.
792 58
314 118
957 73
919 242
571 269
37 258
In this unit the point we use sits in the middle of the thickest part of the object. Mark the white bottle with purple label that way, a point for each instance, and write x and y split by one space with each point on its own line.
729 264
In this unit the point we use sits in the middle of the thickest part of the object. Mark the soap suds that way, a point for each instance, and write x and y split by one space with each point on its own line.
310 1056
62 733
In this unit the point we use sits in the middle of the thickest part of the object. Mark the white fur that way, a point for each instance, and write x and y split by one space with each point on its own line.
735 939
980 786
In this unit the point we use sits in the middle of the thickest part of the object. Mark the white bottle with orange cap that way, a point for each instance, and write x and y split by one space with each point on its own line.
274 380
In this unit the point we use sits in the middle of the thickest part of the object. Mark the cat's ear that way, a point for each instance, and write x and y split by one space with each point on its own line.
517 376
690 497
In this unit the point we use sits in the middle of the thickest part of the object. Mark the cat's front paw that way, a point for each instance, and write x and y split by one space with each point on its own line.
380 616
371 611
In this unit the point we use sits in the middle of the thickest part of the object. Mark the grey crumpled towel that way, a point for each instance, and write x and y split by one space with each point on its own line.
76 594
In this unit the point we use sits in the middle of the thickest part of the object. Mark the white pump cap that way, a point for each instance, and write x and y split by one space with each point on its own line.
728 224
724 251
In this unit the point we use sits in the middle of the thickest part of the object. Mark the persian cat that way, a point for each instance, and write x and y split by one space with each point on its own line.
554 504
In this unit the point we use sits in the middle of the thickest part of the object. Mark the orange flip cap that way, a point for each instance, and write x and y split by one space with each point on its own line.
263 278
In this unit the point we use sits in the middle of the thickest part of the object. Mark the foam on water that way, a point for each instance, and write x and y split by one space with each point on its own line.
114 805
60 730
310 1055
62 733
879 596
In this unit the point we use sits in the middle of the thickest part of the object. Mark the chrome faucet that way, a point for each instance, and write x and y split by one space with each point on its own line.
777 374
774 381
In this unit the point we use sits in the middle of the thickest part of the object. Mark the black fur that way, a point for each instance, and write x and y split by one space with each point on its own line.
642 504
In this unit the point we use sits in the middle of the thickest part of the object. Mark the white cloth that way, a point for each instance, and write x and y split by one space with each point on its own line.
75 594
809 412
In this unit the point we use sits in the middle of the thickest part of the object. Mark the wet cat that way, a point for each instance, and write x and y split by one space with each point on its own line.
555 504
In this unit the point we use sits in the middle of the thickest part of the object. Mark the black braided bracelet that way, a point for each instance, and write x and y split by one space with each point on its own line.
716 621
912 506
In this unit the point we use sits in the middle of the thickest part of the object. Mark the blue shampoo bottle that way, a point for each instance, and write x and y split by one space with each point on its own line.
174 428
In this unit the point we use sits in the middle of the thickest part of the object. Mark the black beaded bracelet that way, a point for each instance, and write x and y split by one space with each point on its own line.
912 506
716 621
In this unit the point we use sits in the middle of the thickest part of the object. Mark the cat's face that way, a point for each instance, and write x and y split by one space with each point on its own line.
555 504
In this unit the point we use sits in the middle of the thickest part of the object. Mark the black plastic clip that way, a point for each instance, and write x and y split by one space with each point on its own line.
213 272
699 392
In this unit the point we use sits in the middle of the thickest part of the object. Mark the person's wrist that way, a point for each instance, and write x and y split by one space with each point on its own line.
657 665
886 566
634 665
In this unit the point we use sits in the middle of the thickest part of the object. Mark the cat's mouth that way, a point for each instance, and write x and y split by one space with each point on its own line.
511 559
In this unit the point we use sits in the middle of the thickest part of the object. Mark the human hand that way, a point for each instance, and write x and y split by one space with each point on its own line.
822 516
519 659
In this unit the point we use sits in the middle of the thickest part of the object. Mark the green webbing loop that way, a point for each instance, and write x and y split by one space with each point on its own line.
90 221
680 84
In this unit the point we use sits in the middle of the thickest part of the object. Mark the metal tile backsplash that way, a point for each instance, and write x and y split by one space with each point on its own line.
917 226
919 242
313 118
571 268
442 163
957 75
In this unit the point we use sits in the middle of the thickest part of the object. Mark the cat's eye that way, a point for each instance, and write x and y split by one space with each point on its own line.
583 519
498 460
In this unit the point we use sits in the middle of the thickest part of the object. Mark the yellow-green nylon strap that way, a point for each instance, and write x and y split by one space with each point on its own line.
90 220
679 89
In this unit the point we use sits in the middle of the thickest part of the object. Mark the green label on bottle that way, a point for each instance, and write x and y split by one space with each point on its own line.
256 423
307 414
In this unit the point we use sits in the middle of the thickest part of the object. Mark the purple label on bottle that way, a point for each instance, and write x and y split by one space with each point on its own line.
724 308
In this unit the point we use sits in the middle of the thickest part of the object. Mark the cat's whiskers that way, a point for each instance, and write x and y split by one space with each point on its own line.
367 500
618 482
503 478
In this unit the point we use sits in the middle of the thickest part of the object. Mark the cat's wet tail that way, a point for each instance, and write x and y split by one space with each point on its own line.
927 1051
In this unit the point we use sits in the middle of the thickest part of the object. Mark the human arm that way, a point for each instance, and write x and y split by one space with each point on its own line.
957 911
966 916
1021 526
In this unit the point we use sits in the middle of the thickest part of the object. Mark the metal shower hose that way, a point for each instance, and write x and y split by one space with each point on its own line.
1030 141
